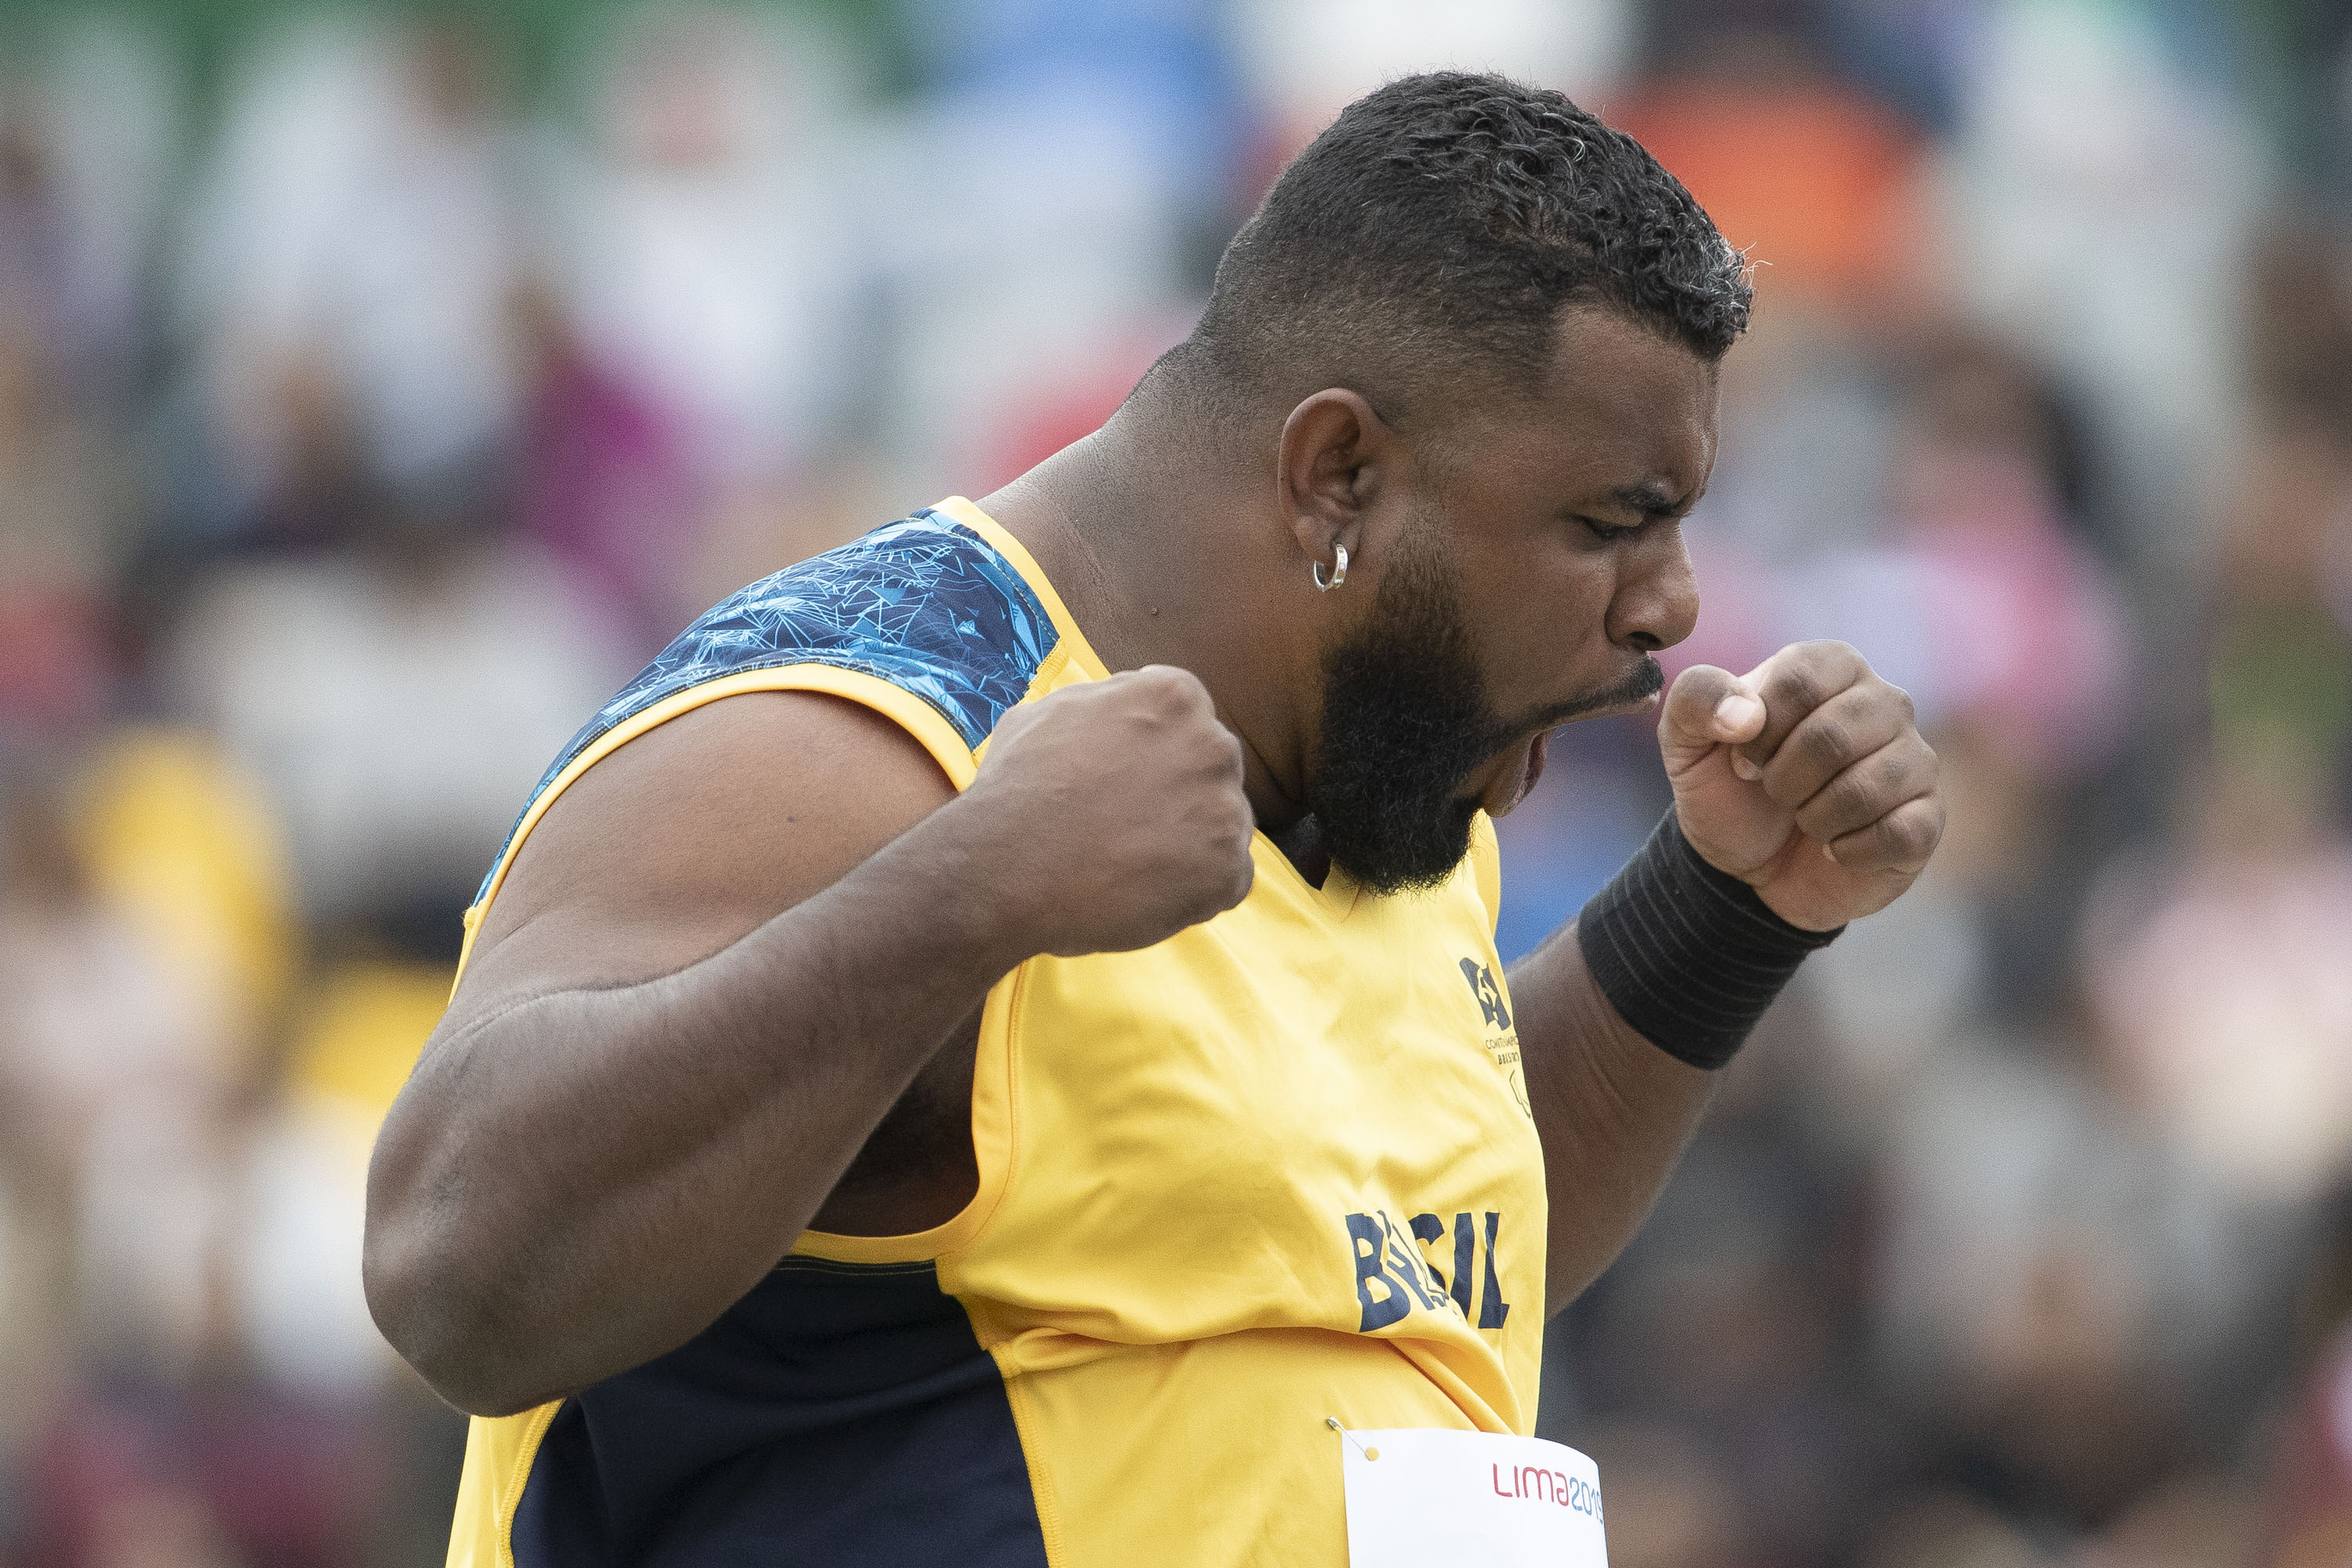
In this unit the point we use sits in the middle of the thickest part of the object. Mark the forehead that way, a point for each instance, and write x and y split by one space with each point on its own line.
1620 404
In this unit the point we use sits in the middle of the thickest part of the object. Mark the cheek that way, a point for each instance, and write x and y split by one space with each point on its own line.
1550 625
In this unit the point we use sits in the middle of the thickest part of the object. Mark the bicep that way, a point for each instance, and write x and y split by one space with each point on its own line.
693 834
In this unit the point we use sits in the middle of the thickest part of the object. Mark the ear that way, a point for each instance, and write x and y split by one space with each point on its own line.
1335 456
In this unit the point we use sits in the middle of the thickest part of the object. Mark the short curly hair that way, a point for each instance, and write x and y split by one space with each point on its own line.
1436 228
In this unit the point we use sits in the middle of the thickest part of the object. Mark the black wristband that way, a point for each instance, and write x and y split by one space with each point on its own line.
1688 954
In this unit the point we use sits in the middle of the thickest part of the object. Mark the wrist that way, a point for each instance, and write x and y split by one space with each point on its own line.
1688 955
976 884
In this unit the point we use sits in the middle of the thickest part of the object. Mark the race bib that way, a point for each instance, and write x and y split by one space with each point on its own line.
1420 1495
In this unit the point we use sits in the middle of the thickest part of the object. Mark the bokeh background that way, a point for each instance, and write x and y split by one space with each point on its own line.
379 388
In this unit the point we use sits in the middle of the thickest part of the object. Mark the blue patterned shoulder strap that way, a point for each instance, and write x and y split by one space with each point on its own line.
925 603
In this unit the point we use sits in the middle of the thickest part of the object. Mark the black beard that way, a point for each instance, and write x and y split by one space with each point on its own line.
1405 720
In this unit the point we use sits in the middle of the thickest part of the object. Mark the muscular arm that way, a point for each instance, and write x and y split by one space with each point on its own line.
1614 1113
712 970
721 958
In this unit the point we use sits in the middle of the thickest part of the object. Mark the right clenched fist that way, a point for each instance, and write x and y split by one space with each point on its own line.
1112 813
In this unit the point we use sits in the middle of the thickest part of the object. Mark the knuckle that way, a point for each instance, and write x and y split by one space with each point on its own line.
1927 775
1912 833
1801 686
1892 772
1827 742
1853 795
1833 654
1819 671
1858 798
1842 808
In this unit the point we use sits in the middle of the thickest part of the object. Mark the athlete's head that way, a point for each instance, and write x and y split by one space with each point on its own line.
1486 327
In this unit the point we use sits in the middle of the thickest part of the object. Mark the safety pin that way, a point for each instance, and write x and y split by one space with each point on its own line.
1333 1423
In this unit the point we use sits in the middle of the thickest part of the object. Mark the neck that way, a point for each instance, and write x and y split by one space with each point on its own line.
1161 559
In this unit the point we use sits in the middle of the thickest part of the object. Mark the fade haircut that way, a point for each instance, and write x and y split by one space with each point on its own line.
1421 249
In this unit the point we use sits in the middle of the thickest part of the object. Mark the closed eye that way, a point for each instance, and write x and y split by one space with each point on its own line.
1606 532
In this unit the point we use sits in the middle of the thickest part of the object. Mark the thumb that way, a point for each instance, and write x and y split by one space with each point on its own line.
1705 707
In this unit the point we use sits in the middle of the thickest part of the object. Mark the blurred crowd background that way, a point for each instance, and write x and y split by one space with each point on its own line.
380 387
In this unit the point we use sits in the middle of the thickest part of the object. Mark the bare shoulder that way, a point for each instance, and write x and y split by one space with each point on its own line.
694 834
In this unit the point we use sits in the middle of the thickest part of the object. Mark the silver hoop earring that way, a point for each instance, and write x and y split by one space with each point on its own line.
1338 570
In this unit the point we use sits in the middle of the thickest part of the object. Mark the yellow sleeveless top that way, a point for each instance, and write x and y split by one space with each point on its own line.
1277 1171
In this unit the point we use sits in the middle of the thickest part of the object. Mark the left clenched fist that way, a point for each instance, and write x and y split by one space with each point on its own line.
1806 778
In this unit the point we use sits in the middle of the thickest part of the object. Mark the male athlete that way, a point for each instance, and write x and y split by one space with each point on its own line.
992 1045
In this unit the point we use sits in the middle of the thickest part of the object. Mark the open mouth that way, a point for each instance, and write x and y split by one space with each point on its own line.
1530 762
1520 764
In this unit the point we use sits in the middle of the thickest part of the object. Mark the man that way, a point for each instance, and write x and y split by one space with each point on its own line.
1119 1065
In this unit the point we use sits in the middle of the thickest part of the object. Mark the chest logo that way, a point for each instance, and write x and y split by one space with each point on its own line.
1489 993
1501 1041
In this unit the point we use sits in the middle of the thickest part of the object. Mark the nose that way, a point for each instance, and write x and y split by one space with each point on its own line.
1656 602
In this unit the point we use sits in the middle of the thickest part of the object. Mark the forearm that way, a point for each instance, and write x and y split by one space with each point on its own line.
534 1227
1613 1110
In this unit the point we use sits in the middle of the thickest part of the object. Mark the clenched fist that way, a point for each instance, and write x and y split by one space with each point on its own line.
1114 813
1806 778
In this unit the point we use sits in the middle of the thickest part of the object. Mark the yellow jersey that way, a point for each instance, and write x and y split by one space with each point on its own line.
1275 1171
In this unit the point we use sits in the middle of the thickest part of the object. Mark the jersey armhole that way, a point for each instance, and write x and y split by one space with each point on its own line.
994 1063
910 712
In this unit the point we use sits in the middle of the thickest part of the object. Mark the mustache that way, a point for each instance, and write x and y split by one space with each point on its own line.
1645 680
